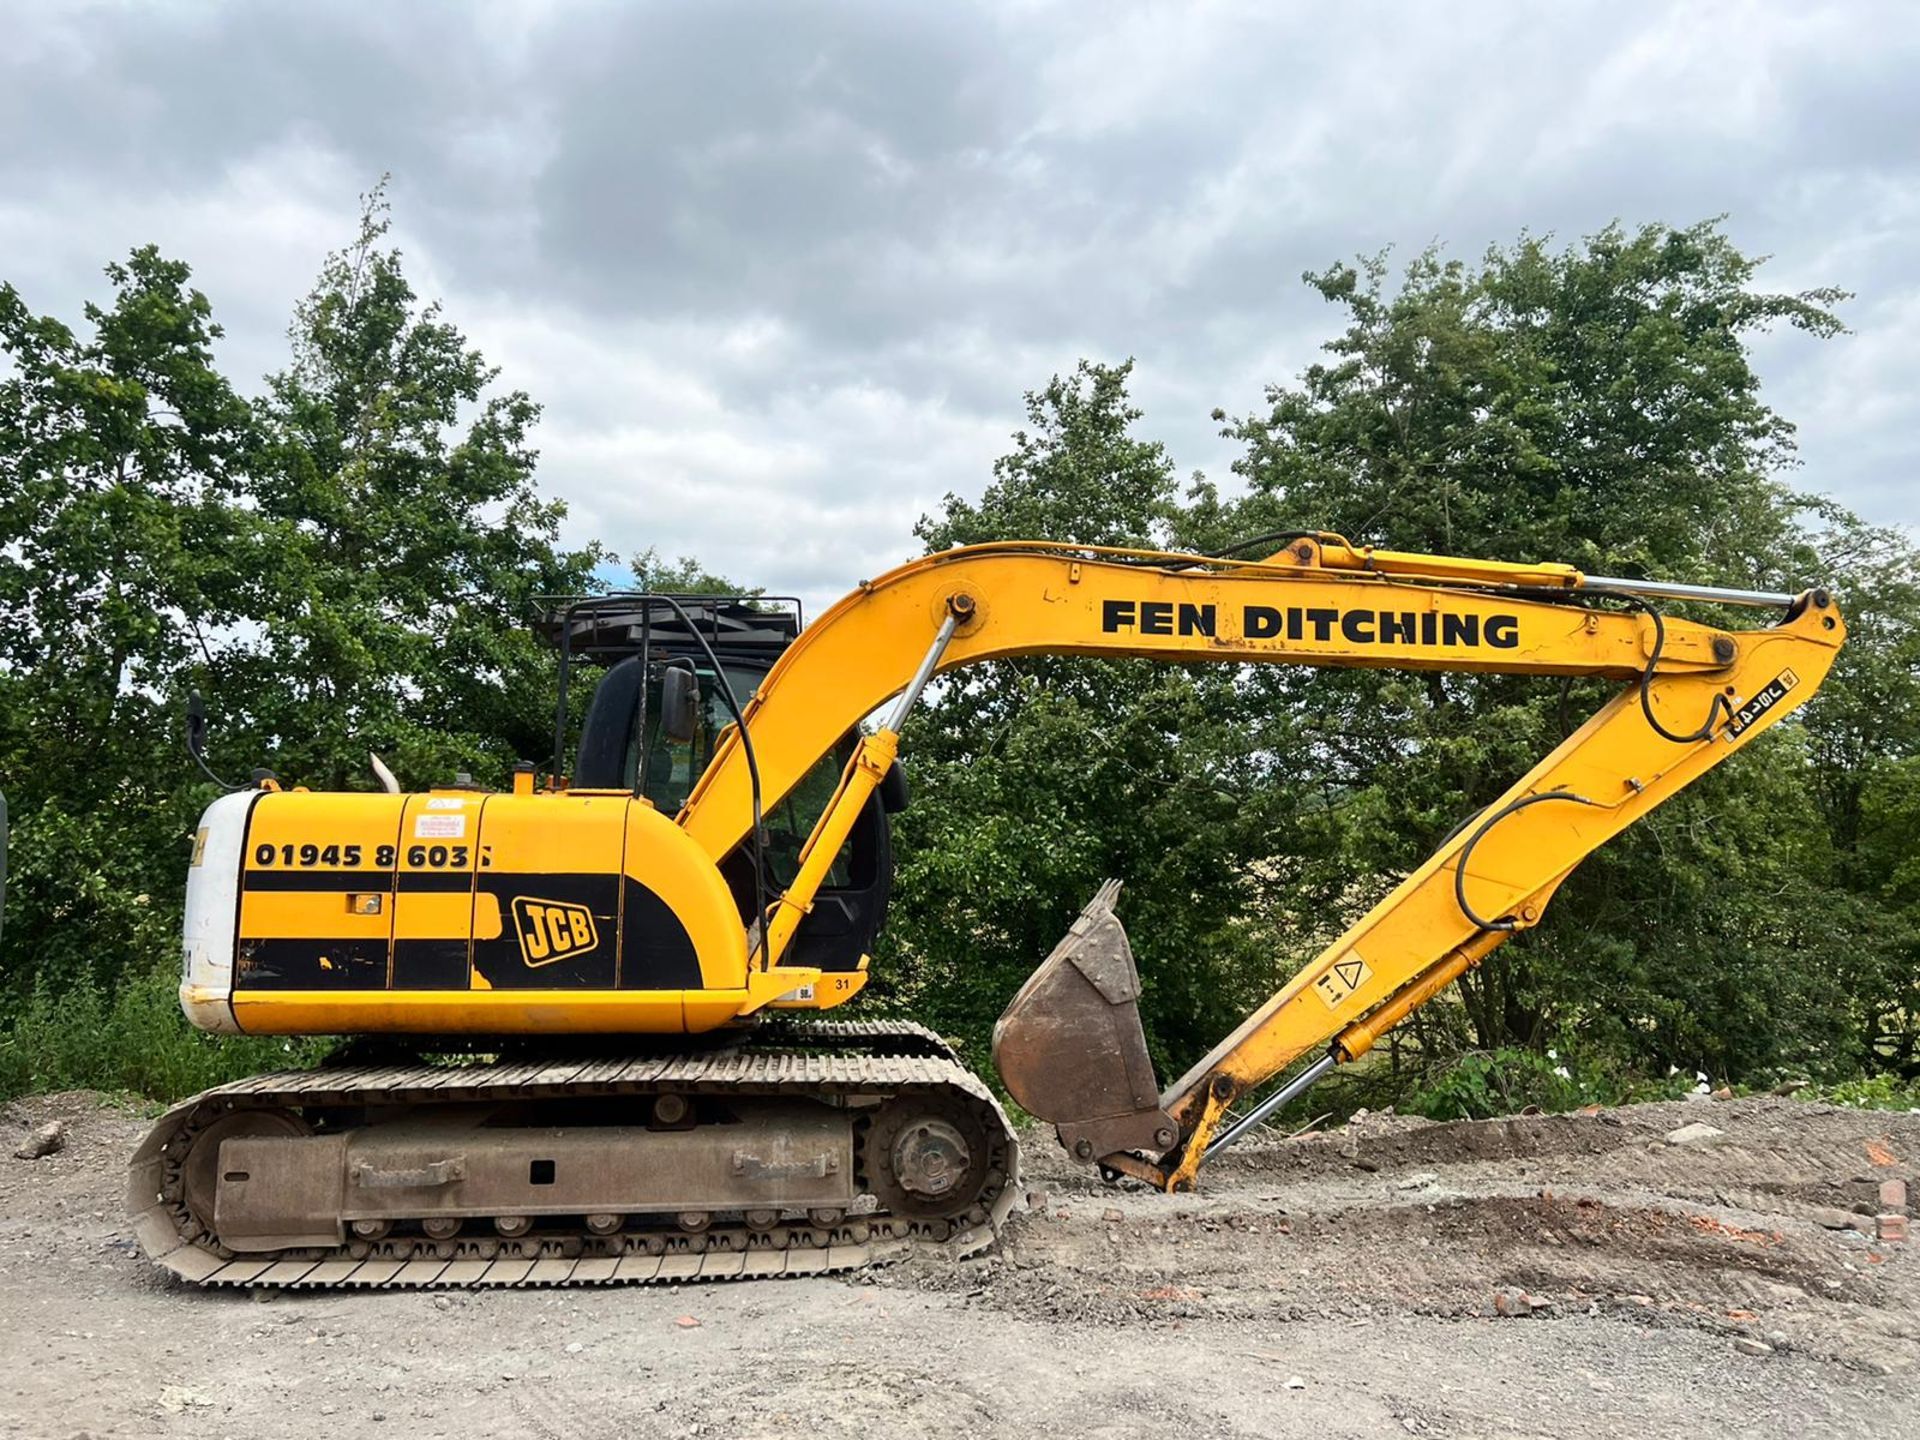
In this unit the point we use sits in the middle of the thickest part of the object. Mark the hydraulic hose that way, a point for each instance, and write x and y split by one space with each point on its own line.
1505 922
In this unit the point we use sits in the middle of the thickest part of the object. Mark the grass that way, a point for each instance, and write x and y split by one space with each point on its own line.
1875 1092
134 1039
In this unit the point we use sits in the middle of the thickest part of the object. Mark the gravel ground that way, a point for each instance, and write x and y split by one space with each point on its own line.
1348 1284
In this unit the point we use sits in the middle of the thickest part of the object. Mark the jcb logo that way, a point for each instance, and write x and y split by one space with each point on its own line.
552 930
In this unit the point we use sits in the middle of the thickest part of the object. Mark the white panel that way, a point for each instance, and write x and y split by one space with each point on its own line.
213 912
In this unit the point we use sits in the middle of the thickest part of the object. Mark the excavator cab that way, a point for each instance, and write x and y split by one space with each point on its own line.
649 646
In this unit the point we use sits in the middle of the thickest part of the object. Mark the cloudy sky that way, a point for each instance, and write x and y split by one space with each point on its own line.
780 272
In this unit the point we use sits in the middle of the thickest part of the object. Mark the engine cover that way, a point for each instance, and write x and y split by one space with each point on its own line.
456 911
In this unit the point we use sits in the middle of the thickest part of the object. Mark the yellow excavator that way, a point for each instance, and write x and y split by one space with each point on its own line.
586 1044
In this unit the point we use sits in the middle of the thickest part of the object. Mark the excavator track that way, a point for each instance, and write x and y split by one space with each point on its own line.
934 1164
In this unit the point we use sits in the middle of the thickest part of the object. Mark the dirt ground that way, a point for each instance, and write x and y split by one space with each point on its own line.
1334 1285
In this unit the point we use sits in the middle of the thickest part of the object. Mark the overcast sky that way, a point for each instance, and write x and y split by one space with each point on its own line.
780 272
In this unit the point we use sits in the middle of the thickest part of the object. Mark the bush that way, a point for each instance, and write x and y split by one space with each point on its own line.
1876 1092
1480 1084
132 1039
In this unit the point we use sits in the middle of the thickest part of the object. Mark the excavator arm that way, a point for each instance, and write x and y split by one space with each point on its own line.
1314 603
1070 1046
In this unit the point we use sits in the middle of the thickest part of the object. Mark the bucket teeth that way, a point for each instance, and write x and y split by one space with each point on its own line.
1071 1048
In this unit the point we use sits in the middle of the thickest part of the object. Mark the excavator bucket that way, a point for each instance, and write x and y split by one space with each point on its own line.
1071 1048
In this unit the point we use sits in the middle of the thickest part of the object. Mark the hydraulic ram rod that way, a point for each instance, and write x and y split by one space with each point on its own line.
862 777
1670 590
1266 1107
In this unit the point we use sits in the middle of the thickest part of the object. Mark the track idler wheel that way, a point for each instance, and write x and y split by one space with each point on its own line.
927 1159
1071 1047
200 1178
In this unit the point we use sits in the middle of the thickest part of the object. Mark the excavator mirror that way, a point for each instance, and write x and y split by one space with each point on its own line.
679 702
196 725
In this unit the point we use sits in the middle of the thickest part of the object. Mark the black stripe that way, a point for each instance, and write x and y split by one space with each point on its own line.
656 951
361 881
351 964
435 881
340 880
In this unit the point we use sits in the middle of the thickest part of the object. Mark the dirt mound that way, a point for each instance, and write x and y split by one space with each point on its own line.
1761 1228
1389 1140
1371 1281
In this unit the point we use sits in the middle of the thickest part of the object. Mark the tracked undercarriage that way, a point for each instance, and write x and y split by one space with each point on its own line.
798 1149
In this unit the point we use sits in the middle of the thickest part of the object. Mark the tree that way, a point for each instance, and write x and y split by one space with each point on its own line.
1592 404
121 459
1886 866
402 545
1038 778
683 576
349 562
1595 405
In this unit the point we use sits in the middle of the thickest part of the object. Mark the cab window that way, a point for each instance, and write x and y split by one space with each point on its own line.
673 767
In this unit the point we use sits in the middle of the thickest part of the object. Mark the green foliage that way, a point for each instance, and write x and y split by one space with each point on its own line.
1595 405
1592 404
345 563
1037 778
134 1039
117 512
683 576
1479 1084
1873 1092
1078 475
404 543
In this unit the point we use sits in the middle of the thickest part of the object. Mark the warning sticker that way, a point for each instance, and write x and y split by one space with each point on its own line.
446 802
1342 978
439 827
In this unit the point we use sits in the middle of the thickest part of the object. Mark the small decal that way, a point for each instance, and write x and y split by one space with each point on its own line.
1342 978
199 846
1771 694
446 802
439 827
551 930
799 995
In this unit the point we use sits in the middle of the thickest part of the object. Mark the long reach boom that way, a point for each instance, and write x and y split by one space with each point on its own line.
1690 695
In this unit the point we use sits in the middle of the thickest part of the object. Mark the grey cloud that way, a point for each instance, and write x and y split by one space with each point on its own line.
807 256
